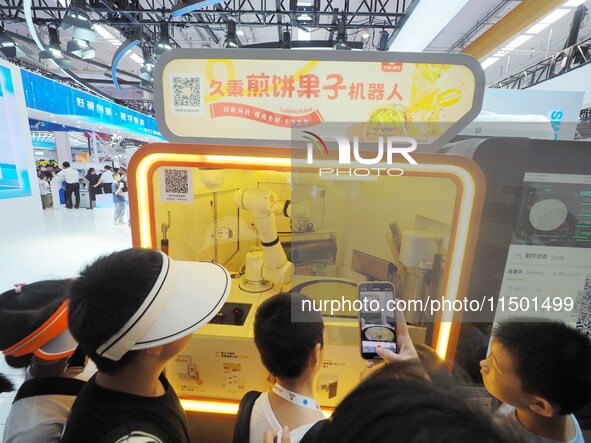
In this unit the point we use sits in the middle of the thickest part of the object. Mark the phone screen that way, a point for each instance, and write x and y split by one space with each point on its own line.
377 326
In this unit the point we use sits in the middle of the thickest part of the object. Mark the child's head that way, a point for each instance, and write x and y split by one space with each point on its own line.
116 177
544 366
287 347
33 322
137 299
390 406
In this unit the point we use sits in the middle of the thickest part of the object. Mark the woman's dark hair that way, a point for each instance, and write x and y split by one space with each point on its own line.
23 312
391 407
5 384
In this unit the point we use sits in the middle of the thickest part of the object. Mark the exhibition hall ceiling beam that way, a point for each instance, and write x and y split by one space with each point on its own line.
424 20
377 14
519 18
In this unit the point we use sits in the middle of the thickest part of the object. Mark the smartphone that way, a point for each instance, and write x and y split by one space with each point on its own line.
77 362
377 326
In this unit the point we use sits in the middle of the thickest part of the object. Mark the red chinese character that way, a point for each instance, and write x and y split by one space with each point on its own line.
356 91
258 85
309 85
216 85
336 86
395 93
235 88
282 86
375 91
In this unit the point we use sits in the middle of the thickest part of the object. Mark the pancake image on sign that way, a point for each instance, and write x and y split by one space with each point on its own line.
547 215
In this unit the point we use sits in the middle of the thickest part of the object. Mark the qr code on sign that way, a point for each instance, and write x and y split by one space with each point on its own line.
186 93
176 185
176 181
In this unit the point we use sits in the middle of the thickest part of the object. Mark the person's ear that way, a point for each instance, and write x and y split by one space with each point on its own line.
542 407
316 355
154 351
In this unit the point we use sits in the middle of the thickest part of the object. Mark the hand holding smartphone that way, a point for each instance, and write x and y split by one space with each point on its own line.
377 324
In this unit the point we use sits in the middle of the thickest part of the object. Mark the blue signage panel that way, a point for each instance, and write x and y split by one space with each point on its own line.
56 98
14 176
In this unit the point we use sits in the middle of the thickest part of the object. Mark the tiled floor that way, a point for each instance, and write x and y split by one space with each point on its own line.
59 248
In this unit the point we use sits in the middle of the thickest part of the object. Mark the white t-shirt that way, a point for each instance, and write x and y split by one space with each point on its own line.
38 419
505 416
44 187
41 418
71 175
262 419
107 176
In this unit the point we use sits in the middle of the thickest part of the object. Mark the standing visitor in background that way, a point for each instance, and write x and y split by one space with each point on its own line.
72 184
45 191
106 180
93 179
118 199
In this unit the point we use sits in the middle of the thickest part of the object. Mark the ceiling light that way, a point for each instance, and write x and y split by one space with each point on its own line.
574 3
538 27
11 49
103 32
555 15
147 69
428 16
77 19
341 43
53 51
164 44
232 40
365 35
304 34
136 58
286 40
107 35
488 62
383 44
81 48
516 42
304 14
185 6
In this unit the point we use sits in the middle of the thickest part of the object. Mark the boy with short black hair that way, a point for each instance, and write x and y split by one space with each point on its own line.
292 352
133 311
542 372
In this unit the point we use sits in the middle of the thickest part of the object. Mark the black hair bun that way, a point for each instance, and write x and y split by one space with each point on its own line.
5 384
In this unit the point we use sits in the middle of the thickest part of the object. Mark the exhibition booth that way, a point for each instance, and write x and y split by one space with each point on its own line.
316 172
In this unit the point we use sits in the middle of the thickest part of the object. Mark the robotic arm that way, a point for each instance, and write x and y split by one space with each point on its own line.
275 267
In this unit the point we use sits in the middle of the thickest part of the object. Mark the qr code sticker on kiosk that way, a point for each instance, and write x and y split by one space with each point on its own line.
186 93
176 185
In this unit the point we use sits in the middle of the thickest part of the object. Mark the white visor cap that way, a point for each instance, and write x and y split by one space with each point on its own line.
185 296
